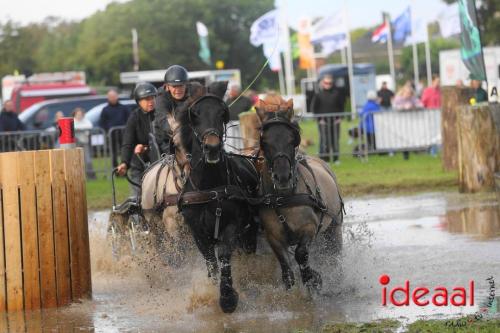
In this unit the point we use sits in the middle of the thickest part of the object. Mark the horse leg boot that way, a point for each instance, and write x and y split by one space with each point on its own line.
310 277
228 296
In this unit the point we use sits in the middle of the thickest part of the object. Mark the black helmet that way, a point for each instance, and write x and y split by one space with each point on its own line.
176 74
143 90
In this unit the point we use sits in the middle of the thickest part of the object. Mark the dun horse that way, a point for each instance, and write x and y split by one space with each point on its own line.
300 193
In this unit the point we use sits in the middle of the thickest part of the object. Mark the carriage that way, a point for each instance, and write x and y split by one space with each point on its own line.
224 197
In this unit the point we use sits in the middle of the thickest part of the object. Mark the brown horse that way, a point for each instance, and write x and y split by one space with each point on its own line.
301 195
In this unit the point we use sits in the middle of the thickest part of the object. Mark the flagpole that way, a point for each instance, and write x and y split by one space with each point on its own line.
390 50
281 78
415 51
289 77
349 63
135 49
428 59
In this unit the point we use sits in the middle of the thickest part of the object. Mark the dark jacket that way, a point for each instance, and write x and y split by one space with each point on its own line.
165 104
113 115
137 130
243 104
328 101
9 122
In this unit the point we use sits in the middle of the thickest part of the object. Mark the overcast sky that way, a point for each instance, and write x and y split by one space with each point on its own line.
362 13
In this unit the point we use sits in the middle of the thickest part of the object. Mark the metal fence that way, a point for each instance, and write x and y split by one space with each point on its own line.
93 141
386 131
329 136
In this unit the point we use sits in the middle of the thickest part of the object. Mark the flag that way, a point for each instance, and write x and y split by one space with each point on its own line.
380 34
204 48
306 50
265 31
449 21
471 50
331 32
419 32
402 26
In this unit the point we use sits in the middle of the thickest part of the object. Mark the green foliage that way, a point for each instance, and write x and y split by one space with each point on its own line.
101 44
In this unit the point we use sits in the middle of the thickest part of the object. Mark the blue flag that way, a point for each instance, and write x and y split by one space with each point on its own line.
402 26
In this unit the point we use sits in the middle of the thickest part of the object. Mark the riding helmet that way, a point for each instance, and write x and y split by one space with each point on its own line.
176 74
143 90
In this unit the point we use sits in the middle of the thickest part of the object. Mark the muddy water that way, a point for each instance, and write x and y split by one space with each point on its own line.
436 239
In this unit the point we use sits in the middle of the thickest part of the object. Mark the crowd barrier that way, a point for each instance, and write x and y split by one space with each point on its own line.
328 136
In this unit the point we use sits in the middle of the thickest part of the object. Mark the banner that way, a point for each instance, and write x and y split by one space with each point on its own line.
306 50
449 21
265 31
402 26
204 48
380 34
471 50
331 32
418 33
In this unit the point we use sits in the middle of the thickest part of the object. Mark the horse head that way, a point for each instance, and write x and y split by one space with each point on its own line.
279 140
202 119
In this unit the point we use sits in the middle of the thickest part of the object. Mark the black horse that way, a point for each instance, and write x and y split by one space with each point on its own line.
213 201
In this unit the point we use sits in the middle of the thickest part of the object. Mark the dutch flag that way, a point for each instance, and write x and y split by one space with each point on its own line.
380 34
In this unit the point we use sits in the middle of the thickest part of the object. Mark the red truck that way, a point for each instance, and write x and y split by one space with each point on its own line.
43 86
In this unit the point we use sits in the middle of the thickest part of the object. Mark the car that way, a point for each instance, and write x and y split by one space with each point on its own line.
94 114
41 116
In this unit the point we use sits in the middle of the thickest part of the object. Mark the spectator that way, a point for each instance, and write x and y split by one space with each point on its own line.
9 122
239 103
82 135
431 97
459 84
329 99
405 99
366 121
114 114
136 151
480 94
386 96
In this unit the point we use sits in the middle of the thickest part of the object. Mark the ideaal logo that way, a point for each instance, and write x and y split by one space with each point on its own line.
422 296
458 296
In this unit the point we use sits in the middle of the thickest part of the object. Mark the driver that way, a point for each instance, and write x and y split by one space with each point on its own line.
135 151
173 94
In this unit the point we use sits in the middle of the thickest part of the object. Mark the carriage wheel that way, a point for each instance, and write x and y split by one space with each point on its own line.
116 234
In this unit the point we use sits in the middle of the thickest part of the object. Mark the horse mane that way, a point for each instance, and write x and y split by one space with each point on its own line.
274 108
195 91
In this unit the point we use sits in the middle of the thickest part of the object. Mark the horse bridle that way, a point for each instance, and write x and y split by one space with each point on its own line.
291 160
208 131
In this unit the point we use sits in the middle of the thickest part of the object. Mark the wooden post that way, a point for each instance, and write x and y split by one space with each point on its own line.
452 99
44 242
478 133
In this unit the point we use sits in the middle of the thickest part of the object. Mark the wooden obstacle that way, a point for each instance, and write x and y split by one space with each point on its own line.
452 99
478 133
44 240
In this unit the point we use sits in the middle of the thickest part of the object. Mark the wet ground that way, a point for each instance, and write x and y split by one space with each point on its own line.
435 239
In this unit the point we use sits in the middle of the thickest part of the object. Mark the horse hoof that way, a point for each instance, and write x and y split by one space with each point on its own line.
315 281
288 280
229 301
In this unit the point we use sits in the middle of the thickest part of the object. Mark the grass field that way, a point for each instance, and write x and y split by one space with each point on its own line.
377 175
